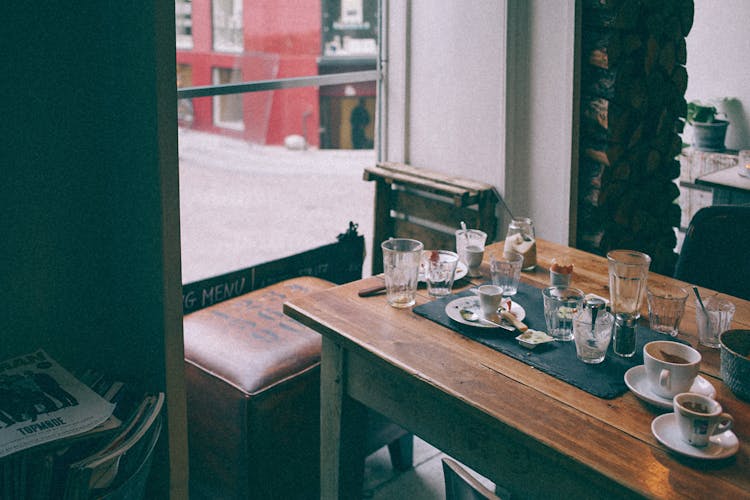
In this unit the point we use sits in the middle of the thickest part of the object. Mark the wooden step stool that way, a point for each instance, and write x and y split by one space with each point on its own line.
412 202
253 399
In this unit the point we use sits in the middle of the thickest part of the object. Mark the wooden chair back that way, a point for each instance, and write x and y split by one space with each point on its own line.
428 206
460 485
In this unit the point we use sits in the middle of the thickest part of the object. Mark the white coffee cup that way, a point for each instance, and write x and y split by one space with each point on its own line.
700 417
671 367
490 297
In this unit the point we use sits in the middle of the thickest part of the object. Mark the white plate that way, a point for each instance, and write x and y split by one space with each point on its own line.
454 307
665 430
461 268
636 380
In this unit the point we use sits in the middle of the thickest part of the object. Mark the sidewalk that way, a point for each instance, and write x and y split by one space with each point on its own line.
243 204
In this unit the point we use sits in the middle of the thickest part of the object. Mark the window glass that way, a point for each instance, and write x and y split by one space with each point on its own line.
243 203
265 174
184 23
227 25
184 106
228 112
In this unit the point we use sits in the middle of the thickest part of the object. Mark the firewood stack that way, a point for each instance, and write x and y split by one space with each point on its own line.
633 82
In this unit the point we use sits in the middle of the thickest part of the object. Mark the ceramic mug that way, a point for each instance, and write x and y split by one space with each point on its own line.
700 417
671 367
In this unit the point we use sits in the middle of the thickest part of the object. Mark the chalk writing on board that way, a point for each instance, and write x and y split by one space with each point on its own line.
339 262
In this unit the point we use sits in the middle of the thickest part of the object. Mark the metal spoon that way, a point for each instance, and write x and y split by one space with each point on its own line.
466 232
473 317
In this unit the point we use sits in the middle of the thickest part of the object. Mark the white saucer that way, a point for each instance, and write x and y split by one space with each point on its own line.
636 380
664 428
453 308
461 268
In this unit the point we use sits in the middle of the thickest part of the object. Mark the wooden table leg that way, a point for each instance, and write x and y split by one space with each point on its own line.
342 429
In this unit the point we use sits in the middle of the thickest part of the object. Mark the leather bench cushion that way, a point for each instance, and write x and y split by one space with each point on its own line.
248 342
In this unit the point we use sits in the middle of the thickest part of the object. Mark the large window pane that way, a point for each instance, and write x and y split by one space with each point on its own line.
242 204
267 174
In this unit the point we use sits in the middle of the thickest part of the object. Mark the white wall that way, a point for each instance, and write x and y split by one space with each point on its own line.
717 63
448 63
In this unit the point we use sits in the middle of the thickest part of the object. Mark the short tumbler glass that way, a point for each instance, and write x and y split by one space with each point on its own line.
592 343
440 272
719 319
666 306
505 271
470 249
561 304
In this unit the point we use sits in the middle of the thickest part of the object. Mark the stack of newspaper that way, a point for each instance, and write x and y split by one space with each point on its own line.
69 437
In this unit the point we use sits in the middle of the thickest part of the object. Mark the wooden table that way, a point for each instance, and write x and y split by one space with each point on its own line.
533 434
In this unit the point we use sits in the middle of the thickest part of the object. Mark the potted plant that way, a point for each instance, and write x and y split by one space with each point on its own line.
709 131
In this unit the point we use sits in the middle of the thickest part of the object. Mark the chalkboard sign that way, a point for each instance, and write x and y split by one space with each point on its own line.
339 262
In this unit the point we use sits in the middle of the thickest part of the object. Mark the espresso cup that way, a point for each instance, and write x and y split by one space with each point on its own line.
699 417
671 367
490 297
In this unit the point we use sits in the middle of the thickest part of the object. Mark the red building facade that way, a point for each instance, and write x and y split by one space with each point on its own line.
227 41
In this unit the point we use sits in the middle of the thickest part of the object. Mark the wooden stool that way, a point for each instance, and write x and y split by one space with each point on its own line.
253 399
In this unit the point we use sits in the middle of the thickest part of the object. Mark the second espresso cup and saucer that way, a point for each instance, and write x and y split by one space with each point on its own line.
668 369
698 428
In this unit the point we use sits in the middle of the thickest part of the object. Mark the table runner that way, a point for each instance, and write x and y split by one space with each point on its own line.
605 380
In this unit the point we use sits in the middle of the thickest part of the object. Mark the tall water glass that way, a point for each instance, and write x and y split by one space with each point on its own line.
628 276
401 260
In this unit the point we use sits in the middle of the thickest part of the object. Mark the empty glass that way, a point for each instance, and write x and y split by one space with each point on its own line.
628 274
505 271
401 259
666 305
561 304
440 272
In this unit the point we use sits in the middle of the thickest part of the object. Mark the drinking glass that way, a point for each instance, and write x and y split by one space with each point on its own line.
401 259
628 274
440 272
470 249
561 304
716 319
592 341
666 306
505 271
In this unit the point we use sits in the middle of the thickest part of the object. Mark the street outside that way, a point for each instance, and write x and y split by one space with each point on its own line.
243 204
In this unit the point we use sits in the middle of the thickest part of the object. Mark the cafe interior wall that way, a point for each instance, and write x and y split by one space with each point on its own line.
467 96
717 64
91 246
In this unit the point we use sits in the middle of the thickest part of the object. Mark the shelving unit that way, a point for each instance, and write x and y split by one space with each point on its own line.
694 164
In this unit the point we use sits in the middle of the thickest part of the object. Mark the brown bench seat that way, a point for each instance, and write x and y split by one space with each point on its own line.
253 399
